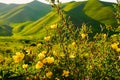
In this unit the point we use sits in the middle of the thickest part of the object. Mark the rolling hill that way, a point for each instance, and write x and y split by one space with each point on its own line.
5 30
6 7
32 18
25 12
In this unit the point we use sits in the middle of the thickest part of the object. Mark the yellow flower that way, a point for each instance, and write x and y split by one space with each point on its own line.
50 60
47 38
1 58
44 61
39 65
43 52
28 78
118 27
49 74
54 26
90 67
119 57
72 56
41 56
57 78
74 43
104 36
118 49
62 55
25 66
55 53
114 45
39 45
18 57
65 73
83 35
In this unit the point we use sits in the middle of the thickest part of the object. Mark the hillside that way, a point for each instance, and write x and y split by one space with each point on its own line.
33 18
80 12
100 11
5 30
4 8
25 12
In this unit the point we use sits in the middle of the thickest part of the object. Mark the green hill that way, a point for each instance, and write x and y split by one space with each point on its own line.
33 18
4 8
26 12
100 11
5 30
80 12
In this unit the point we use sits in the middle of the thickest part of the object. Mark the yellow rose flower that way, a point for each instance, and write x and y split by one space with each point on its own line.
83 35
104 36
72 56
43 52
47 38
118 49
41 56
57 78
39 45
25 66
62 55
118 27
28 78
119 57
114 45
44 61
74 43
50 60
49 74
1 58
39 65
65 73
54 26
18 57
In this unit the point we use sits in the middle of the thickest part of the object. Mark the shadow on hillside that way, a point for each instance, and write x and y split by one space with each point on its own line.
5 30
78 17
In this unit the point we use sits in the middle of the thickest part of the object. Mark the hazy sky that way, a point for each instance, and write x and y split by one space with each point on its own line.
26 1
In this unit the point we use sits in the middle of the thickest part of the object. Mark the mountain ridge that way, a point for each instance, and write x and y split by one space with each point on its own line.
26 12
36 16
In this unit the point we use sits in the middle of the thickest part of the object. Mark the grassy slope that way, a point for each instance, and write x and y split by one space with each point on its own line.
38 28
6 7
5 30
26 12
19 27
18 16
100 11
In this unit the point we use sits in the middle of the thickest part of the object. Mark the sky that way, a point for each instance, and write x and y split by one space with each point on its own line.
27 1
